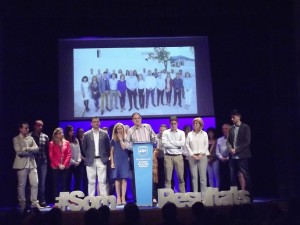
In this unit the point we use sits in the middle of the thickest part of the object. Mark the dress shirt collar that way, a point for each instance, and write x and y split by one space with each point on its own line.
96 130
238 124
199 132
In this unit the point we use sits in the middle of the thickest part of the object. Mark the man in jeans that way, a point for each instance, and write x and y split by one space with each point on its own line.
42 141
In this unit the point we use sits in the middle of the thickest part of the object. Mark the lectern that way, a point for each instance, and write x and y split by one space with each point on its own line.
143 160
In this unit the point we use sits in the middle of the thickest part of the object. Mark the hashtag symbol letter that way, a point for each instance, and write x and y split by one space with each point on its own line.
62 201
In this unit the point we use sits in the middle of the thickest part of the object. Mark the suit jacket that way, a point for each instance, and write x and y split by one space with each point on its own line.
25 148
242 143
88 147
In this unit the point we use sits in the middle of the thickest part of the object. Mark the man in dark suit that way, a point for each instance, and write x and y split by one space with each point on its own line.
238 144
96 147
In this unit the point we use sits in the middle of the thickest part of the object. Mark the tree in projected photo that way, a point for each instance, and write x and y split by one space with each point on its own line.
161 55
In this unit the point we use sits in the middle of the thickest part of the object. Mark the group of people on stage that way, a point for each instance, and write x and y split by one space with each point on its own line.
112 159
139 87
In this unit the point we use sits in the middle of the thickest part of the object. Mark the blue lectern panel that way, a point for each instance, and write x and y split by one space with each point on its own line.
143 160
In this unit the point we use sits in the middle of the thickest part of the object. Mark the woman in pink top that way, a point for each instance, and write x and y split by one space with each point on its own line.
60 156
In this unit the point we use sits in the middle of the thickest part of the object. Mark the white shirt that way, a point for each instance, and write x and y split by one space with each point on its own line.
113 83
221 148
160 84
188 83
132 82
150 82
85 88
161 153
173 141
197 143
75 150
142 84
96 141
173 75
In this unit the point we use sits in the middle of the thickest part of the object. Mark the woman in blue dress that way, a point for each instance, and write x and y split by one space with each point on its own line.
119 162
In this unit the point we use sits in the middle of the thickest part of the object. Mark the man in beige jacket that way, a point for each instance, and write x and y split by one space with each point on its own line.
25 165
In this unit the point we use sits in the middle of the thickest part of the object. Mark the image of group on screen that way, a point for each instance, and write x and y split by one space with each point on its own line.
100 165
110 90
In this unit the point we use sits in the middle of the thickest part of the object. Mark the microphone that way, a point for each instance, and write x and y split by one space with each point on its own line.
150 134
135 129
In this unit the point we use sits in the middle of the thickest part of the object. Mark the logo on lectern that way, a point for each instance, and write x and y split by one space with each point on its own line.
142 151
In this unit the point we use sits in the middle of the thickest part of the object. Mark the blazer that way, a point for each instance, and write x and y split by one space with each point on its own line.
88 147
59 155
25 148
242 143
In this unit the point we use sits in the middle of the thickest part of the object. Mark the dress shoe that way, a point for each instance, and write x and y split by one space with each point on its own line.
43 204
136 108
130 109
179 105
37 206
102 112
154 105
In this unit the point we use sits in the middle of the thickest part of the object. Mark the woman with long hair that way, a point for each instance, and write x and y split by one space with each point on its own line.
85 92
76 168
121 87
197 146
60 156
119 162
168 88
213 162
188 89
79 136
94 87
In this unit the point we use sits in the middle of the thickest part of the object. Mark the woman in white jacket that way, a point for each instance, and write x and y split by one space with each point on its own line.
188 89
197 146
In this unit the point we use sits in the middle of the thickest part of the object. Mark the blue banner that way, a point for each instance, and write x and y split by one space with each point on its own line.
143 160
